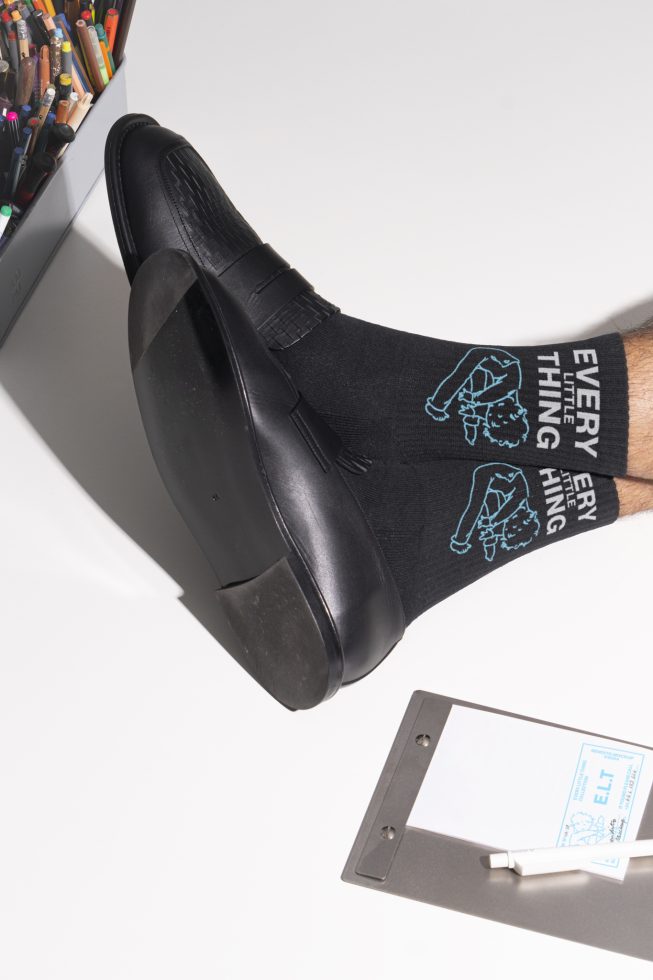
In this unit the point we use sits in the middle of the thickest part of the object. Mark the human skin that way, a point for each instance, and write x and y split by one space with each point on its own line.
639 358
636 490
634 495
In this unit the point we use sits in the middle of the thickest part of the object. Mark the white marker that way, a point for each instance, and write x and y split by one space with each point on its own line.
5 215
547 860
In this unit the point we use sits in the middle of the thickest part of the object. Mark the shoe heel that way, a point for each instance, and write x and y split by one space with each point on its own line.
282 644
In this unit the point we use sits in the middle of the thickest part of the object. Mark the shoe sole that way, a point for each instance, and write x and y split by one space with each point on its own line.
234 484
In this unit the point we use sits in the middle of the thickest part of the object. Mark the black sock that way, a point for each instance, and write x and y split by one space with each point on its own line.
459 487
476 455
443 525
397 396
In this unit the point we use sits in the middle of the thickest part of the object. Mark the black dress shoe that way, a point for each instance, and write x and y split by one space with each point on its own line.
163 195
258 478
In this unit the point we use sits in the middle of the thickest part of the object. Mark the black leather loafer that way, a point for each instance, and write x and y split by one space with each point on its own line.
258 478
163 195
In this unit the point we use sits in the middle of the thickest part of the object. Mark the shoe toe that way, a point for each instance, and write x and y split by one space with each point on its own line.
164 196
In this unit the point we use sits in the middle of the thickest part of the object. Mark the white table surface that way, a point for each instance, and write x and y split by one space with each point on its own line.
467 170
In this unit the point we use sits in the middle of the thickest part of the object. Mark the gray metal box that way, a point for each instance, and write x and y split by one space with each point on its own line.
28 252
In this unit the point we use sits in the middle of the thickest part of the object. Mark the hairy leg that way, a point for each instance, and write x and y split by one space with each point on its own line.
639 357
635 496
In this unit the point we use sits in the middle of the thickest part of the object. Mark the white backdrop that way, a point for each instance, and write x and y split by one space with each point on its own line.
462 169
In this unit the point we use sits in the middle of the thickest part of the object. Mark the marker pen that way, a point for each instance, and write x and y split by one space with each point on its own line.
14 131
15 171
5 215
61 136
5 101
38 170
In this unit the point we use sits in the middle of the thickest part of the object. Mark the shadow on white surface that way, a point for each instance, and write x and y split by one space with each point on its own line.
623 320
66 367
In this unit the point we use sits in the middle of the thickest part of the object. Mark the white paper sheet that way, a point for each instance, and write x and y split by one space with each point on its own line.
511 785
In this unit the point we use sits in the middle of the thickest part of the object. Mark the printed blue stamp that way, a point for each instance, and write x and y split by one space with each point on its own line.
601 798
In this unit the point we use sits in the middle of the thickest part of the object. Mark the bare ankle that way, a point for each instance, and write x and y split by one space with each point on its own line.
635 496
639 358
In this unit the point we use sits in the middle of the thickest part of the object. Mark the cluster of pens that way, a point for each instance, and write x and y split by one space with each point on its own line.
55 57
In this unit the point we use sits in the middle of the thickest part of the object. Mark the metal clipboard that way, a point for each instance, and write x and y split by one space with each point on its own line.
389 856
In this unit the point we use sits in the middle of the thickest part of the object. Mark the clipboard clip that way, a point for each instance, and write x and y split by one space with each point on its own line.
389 826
